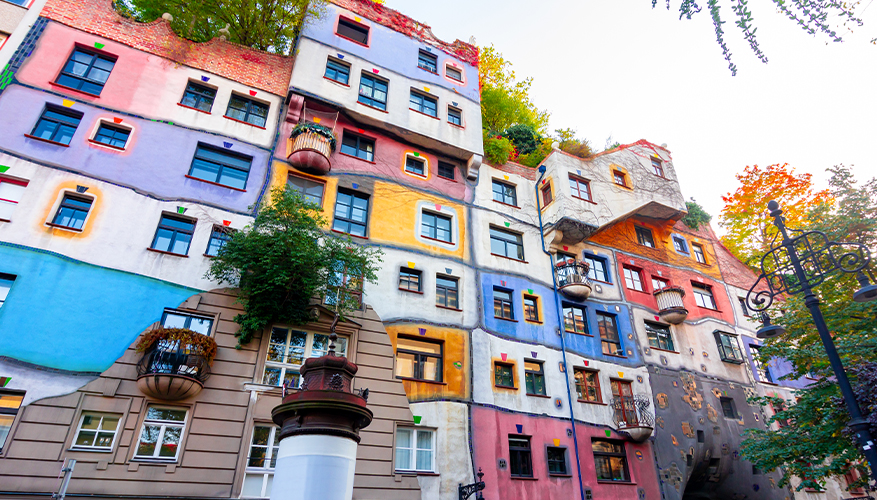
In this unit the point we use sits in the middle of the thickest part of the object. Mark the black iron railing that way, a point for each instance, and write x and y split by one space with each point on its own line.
632 411
570 272
173 358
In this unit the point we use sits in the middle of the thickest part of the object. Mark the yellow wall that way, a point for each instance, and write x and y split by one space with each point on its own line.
455 362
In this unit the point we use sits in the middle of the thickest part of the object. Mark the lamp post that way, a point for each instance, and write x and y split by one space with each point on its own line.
464 492
801 261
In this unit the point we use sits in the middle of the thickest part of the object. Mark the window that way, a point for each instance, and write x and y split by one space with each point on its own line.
199 97
563 258
505 193
415 450
680 245
221 167
625 408
415 166
588 385
409 279
644 237
262 459
10 195
446 292
619 178
337 71
520 464
547 197
162 433
744 307
373 91
454 73
610 460
86 71
580 188
446 170
57 125
506 244
531 308
174 234
633 279
597 268
728 408
351 212
574 319
658 166
218 237
703 296
502 304
344 287
425 104
698 253
729 349
659 336
608 327
455 116
659 283
427 61
503 375
10 402
762 370
113 136
72 212
534 377
358 146
701 437
418 359
96 431
311 191
287 351
436 227
247 110
354 31
6 281
557 461
179 319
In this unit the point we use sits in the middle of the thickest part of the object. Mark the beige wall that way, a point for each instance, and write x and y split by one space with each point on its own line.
10 16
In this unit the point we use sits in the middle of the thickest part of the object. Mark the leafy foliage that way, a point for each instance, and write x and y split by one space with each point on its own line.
569 143
314 128
283 259
524 137
194 341
504 100
498 150
696 215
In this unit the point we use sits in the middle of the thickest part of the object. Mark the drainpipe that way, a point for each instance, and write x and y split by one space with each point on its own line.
557 301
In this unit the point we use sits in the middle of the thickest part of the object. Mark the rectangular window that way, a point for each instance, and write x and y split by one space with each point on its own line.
455 116
610 460
659 336
728 408
178 319
358 146
221 167
580 188
409 279
454 73
337 71
446 292
162 433
419 359
557 461
574 319
534 377
680 245
110 135
506 244
762 370
744 307
625 408
436 226
520 463
729 349
619 178
658 166
173 235
564 258
427 61
86 71
633 279
503 375
415 450
547 197
199 97
218 237
261 461
6 281
96 431
415 166
659 283
352 30
373 91
287 351
588 385
703 296
502 304
247 110
505 193
72 212
608 327
351 212
597 268
447 170
698 253
344 287
10 401
11 192
531 308
311 191
644 237
57 125
425 104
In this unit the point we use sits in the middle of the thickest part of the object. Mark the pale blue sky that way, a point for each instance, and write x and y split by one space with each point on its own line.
618 67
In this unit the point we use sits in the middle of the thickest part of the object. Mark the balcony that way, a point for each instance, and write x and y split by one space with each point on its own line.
572 279
311 147
670 306
634 416
175 363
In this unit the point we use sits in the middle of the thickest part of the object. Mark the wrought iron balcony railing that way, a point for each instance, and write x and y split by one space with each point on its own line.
572 279
171 370
633 415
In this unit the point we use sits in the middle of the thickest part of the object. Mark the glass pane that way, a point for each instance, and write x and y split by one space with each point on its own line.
154 413
90 422
341 346
201 325
170 442
181 243
320 346
424 459
415 345
5 425
261 434
405 365
257 456
172 320
403 438
104 439
297 348
431 369
148 440
85 438
271 376
403 459
252 485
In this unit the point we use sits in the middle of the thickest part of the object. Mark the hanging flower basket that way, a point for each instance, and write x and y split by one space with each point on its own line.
178 338
313 128
311 145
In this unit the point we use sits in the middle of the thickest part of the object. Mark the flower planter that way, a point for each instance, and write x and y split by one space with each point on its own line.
311 147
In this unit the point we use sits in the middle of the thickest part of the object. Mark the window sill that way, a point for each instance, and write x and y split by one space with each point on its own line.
600 403
458 126
505 387
639 291
356 157
351 235
411 291
614 356
414 473
215 183
336 81
602 282
209 256
449 308
663 350
154 461
506 319
709 309
451 78
194 109
577 333
71 89
506 204
65 228
438 240
117 148
446 178
769 383
10 220
241 121
533 321
168 253
538 396
415 174
605 481
411 379
89 450
48 141
585 199
351 39
510 258
559 475
372 107
428 70
525 478
425 114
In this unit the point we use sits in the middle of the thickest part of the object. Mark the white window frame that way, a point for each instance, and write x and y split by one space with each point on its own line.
308 353
164 424
632 278
114 432
700 291
265 472
413 449
12 202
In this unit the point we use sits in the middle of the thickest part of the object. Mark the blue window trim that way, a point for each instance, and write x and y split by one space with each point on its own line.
205 153
218 237
427 61
175 231
59 122
606 267
247 110
72 211
344 220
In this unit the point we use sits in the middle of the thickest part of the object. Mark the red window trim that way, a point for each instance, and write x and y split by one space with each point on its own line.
196 109
241 121
71 89
47 140
424 114
337 82
107 145
216 184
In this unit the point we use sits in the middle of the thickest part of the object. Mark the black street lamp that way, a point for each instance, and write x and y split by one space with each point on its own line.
797 265
466 491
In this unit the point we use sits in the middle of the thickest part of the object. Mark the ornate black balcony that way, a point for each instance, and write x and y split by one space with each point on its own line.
670 305
633 415
572 279
172 368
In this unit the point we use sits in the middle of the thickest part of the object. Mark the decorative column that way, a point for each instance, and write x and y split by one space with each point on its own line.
320 432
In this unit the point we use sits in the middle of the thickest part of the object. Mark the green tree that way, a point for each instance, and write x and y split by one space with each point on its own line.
696 215
568 142
284 259
505 101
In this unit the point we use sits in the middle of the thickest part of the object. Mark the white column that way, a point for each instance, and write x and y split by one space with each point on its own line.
314 467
